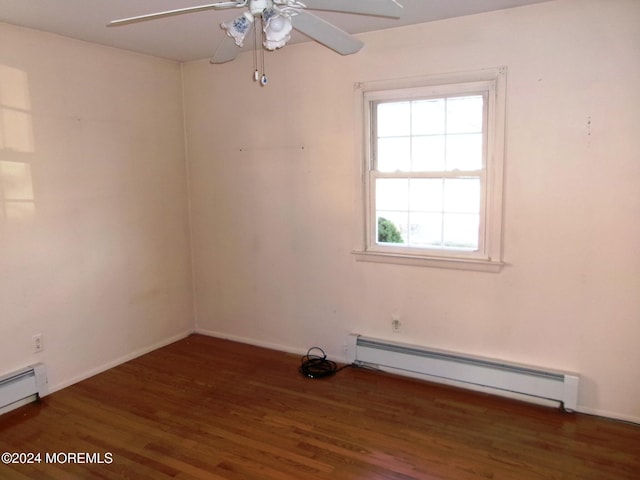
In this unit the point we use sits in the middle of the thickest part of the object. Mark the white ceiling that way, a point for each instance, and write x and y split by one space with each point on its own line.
195 35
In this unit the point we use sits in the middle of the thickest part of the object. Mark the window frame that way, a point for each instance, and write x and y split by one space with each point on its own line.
491 83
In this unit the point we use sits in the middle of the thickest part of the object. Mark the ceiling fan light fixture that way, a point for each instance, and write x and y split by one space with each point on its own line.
277 29
276 19
238 28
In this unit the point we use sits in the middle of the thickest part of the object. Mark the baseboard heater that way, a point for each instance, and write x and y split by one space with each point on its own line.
23 386
464 370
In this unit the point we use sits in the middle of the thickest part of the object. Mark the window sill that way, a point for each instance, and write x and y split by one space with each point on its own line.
476 265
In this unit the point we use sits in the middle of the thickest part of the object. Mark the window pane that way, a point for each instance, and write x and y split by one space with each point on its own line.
464 152
425 229
428 117
392 194
461 230
462 195
391 227
426 195
394 154
428 153
464 114
394 119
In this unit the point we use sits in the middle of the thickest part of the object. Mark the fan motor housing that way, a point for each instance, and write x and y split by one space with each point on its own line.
256 7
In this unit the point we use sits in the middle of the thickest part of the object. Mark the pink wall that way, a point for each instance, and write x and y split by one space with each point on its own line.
94 232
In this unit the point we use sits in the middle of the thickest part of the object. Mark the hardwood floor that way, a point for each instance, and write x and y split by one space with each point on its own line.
205 408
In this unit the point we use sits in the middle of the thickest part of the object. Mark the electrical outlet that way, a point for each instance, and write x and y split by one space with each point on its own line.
396 324
38 346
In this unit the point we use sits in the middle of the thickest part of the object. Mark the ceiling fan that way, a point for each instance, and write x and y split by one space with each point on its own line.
273 21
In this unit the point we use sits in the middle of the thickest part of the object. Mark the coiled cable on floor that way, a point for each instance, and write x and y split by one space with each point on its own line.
317 366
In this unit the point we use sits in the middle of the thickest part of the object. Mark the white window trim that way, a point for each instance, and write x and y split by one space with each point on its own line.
489 256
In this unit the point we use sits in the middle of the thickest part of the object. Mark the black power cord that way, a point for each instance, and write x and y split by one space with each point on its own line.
317 366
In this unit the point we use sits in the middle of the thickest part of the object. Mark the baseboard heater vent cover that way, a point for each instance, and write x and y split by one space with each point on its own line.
22 387
440 365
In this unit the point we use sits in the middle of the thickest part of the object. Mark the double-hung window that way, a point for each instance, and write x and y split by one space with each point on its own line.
433 171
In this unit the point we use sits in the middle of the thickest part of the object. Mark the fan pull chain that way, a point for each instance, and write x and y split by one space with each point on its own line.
257 77
263 78
256 73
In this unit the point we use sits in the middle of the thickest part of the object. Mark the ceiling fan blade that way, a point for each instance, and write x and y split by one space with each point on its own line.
179 11
226 51
378 8
325 33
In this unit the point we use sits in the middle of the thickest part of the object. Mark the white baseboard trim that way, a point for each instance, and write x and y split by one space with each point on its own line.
606 414
119 361
252 341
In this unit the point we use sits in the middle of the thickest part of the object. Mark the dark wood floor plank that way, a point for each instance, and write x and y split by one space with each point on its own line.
205 408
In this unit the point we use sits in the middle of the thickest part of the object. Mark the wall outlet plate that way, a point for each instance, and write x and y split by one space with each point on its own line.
396 325
38 346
